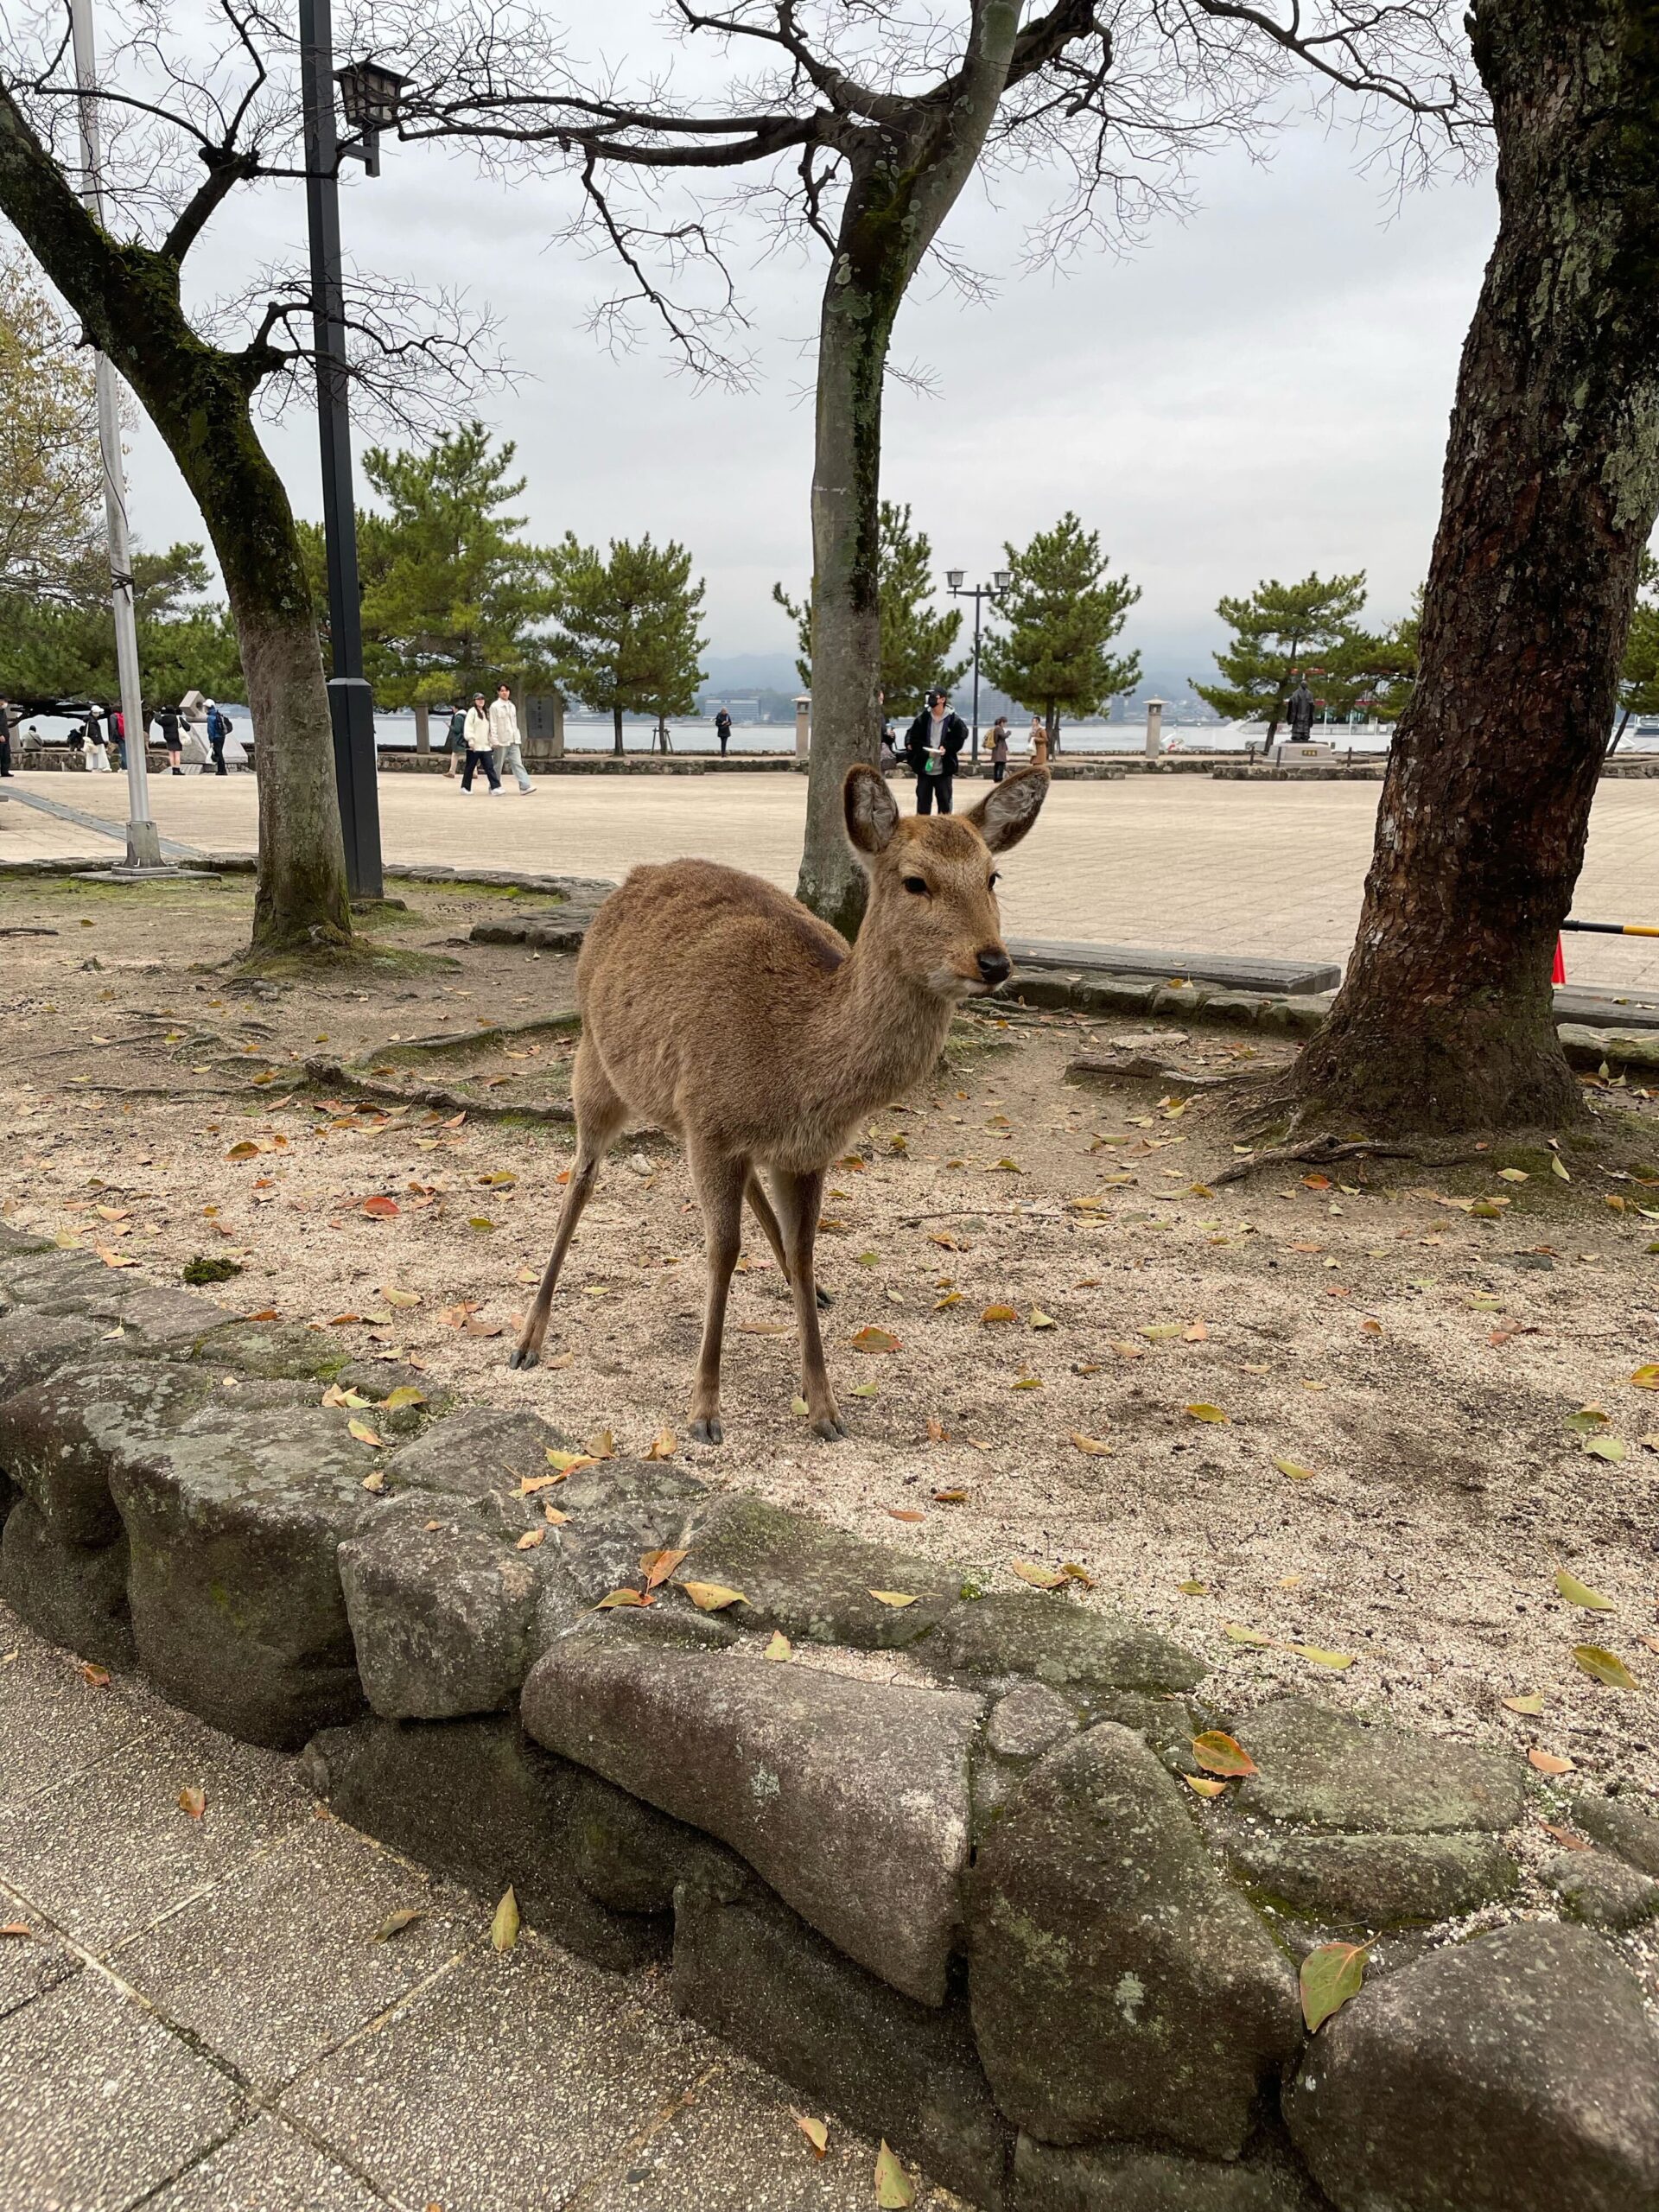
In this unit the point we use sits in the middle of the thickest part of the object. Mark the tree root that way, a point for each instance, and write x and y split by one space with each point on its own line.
1324 1151
559 1111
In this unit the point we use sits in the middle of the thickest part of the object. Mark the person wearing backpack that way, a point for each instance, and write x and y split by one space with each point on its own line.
218 728
455 742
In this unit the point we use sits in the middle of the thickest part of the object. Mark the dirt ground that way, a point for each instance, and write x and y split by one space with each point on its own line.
1349 1416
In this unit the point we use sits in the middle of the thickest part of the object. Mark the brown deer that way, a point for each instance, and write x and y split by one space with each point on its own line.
719 1008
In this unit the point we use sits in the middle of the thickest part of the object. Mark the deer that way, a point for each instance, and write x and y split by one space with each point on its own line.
729 1014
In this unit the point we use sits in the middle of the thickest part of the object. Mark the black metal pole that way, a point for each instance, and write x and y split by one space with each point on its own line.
979 594
350 702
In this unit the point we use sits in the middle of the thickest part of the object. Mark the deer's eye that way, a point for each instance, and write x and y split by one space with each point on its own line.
995 880
917 884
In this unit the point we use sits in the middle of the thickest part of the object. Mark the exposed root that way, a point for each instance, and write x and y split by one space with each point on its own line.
336 1077
1324 1151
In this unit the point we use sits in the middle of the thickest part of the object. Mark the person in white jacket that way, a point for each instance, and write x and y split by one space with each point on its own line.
478 752
504 739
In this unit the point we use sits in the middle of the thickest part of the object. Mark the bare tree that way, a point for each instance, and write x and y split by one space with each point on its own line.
200 105
857 124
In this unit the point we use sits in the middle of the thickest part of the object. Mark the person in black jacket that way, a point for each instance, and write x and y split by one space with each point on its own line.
932 746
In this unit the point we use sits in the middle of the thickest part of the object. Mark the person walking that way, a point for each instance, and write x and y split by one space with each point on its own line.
6 739
723 730
932 746
455 743
999 748
97 758
168 719
218 728
479 752
504 741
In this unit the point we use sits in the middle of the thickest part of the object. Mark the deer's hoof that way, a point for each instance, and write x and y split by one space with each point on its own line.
522 1355
708 1432
826 1298
831 1429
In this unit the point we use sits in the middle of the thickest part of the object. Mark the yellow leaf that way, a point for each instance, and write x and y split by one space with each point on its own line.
1074 1573
894 1597
613 1598
1335 1660
866 1390
601 1445
894 2190
875 1340
530 1538
1004 1167
504 1928
798 1405
1298 1474
997 1313
1581 1593
1236 1634
657 1567
404 1394
1095 1445
712 1596
779 1647
242 1151
1157 1332
662 1445
1531 1703
815 2132
1043 1320
1203 1785
567 1462
363 1432
1514 1175
1202 1412
1040 1578
394 1297
1330 1976
950 1298
1557 1168
1217 1752
1647 1377
1603 1666
1193 1589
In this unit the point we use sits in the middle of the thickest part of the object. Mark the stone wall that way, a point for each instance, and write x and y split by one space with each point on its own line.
935 1856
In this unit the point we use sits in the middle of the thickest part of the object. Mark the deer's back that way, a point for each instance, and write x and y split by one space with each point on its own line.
699 987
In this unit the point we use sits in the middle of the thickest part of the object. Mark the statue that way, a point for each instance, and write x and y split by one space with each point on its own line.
1298 712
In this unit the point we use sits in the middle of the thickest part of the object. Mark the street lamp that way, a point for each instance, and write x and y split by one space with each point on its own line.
370 95
1000 579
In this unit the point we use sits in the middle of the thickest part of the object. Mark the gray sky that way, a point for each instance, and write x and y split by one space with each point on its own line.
1258 391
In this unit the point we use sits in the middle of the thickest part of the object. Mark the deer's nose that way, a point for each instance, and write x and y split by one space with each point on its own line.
995 964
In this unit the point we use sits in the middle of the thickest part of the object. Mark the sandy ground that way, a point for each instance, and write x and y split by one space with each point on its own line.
1395 1483
1179 862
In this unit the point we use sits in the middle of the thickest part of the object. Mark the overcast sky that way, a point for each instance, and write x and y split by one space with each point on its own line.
1258 391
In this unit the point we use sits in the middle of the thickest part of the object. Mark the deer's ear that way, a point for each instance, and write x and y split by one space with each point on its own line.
1008 810
872 810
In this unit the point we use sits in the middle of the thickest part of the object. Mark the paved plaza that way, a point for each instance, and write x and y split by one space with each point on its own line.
1180 861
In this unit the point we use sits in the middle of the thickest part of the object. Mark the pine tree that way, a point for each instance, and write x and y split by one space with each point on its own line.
1638 682
1062 611
626 636
1280 632
63 647
915 639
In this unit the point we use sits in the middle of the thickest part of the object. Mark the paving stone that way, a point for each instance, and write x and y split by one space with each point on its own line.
1627 1827
1515 2073
850 1798
1601 1891
753 1972
1372 1881
1127 2178
299 1919
234 1583
506 2084
814 1581
53 1722
442 1608
592 1867
75 1595
152 1316
1085 1655
111 1848
266 2167
618 1510
1120 1985
99 2102
29 1964
1326 1770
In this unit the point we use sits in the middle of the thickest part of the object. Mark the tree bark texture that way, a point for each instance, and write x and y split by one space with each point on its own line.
905 179
1445 1019
423 726
616 731
127 298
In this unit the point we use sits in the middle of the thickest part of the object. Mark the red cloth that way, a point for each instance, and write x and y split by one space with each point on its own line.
1558 973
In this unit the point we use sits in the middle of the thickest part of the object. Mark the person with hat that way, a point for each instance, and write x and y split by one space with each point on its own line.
932 746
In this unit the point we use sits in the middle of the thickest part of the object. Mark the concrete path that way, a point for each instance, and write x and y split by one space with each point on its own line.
1273 868
201 2020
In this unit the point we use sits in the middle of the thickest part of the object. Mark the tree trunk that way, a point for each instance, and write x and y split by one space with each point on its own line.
423 726
905 177
1624 724
616 725
1551 486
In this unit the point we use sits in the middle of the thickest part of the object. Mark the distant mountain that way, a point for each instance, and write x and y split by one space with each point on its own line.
751 672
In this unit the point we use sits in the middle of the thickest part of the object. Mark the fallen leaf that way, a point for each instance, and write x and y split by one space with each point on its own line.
15 1928
552 1514
530 1538
815 2132
1514 1175
375 1482
1297 1472
1330 1976
566 1462
712 1596
96 1677
875 1340
364 1434
504 1928
950 1497
1587 1420
383 1209
657 1567
1202 1412
1548 1763
1581 1593
193 1801
1532 1703
1040 1578
905 1513
893 2188
1193 1589
1557 1168
615 1597
1218 1753
1647 1377
999 1313
779 1647
1040 1320
395 1297
894 1597
798 1406
765 1328
395 1922
601 1445
406 1394
1335 1660
1603 1666
1097 1446
937 1431
1203 1784
242 1151
1236 1633
662 1445
866 1390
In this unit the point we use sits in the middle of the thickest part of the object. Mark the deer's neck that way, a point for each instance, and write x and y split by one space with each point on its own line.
878 1034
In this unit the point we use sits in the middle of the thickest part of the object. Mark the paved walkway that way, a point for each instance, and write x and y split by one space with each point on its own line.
1179 862
201 2020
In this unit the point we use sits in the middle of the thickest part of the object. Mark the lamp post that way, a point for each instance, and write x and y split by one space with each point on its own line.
369 95
143 843
1000 579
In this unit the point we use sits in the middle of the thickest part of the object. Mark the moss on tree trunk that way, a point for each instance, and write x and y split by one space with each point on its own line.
1445 1019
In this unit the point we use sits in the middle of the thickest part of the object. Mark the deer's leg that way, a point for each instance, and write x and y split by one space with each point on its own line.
599 1114
720 1184
761 1207
798 1198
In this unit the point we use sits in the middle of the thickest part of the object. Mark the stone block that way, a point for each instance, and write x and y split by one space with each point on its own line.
1121 1987
1326 1770
814 1581
276 1351
1304 1013
1601 1891
1240 1009
617 1511
1112 995
32 1344
1516 2073
75 1595
1049 991
236 1605
751 1971
1084 1654
850 1798
1623 1825
443 1609
62 1438
1187 1000
478 1451
1048 2178
592 1867
1371 1881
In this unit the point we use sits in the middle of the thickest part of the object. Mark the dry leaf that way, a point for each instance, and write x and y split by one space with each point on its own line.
662 1445
1040 1578
894 1597
1041 1321
97 1677
875 1340
566 1462
1647 1377
1532 1703
1095 1445
1581 1593
193 1801
383 1209
615 1597
395 1922
894 2190
1218 1753
815 2132
1548 1763
15 1928
364 1434
1203 1786
712 1596
779 1647
504 1928
1202 1412
1297 1472
996 1313
395 1297
905 1513
1330 1976
1603 1666
601 1445
1337 1661
375 1482
530 1538
657 1567
1193 1589
950 1497
406 1394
